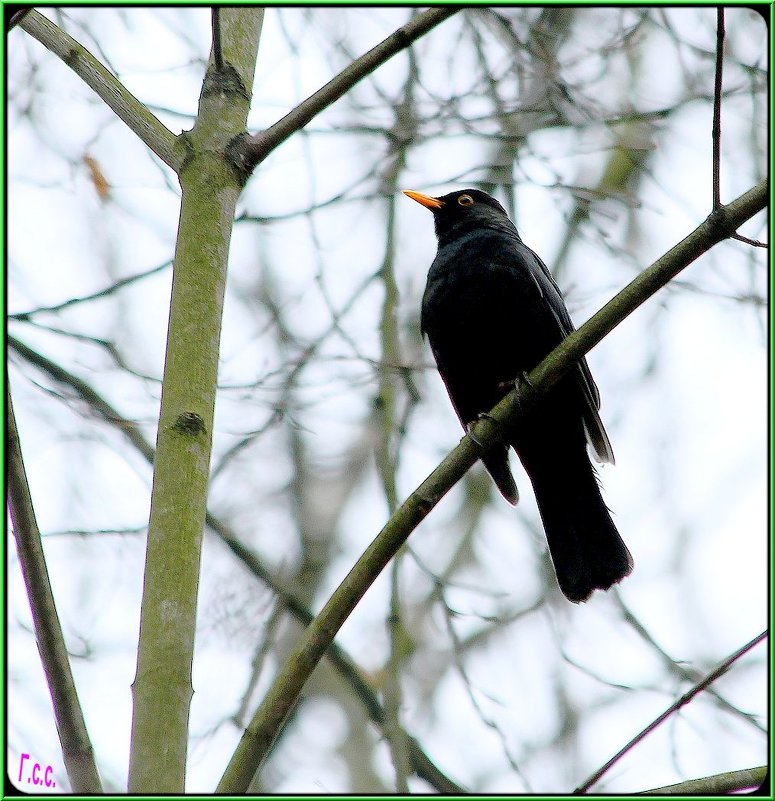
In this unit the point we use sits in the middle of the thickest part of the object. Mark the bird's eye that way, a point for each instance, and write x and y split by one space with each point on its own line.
465 200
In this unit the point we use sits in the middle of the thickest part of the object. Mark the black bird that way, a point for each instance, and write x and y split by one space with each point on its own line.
492 311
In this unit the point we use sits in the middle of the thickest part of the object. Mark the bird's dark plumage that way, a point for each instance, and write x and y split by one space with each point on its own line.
491 311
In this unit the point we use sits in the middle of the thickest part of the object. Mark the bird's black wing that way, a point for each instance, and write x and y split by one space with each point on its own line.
550 292
496 460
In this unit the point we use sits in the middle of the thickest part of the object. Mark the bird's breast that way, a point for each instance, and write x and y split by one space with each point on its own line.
483 310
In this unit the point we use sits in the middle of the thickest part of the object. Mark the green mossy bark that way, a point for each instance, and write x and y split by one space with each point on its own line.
162 689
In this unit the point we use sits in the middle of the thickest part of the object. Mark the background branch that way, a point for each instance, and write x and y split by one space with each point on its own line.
716 673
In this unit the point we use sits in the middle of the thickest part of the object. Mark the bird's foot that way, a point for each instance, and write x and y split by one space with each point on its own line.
469 433
514 383
481 416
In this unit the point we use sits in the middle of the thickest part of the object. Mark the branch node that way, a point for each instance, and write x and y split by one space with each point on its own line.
424 505
243 153
719 221
225 81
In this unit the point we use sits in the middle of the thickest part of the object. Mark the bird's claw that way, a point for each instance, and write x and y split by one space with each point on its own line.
480 416
469 432
514 384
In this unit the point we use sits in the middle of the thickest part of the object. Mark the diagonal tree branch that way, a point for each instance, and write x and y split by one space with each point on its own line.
716 673
168 147
340 660
288 684
77 749
248 151
678 669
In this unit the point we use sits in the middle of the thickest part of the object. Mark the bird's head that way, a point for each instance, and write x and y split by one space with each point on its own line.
464 210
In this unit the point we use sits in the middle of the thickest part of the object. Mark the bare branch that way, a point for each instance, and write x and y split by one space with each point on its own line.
101 293
753 242
717 672
77 749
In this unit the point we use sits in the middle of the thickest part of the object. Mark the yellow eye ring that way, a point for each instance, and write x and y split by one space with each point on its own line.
465 200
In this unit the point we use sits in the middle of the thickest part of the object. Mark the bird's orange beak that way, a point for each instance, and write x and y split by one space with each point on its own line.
429 202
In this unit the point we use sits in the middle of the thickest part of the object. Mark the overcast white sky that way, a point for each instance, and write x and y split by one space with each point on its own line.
683 383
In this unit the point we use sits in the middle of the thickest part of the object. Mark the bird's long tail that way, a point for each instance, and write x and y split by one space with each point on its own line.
584 544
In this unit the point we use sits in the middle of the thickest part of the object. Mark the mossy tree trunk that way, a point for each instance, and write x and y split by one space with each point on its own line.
162 689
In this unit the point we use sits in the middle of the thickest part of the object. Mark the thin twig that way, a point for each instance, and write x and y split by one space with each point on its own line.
678 669
717 109
716 673
753 242
101 293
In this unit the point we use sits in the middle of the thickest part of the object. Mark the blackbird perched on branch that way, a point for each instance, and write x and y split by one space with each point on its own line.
492 311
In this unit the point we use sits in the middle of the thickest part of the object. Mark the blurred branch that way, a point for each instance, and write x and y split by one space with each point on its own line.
102 293
676 668
259 662
340 660
489 722
248 151
719 225
94 400
169 148
77 750
733 781
289 682
716 673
